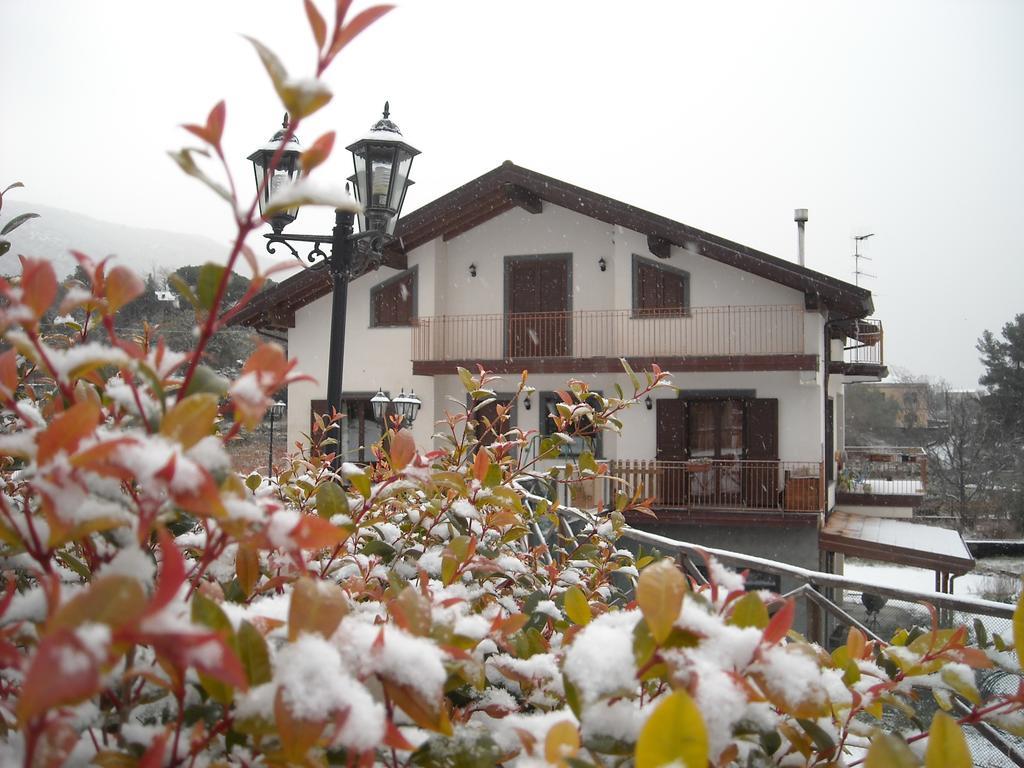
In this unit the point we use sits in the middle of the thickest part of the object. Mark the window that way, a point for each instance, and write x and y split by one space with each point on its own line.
359 430
659 290
393 302
580 443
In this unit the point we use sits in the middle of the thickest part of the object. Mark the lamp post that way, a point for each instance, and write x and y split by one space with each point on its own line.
382 161
276 410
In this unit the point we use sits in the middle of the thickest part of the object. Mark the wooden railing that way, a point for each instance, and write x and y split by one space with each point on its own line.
786 486
884 471
699 331
866 344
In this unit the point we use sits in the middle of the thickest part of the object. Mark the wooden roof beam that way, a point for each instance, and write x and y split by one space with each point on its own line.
659 246
523 198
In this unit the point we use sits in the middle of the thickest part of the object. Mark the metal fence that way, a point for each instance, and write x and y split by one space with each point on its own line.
696 331
831 604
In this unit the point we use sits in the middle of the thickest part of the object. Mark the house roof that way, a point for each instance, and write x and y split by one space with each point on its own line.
509 186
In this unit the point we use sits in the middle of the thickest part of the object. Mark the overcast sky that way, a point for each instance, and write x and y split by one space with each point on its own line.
904 119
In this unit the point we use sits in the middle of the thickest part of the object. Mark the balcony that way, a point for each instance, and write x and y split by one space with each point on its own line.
766 489
883 476
864 352
748 338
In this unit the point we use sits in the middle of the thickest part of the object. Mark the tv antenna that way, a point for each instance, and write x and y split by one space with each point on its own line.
858 256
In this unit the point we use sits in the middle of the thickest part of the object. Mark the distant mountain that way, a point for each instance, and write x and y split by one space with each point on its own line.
56 232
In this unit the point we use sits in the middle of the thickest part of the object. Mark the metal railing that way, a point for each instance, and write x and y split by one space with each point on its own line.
697 331
829 604
787 486
884 471
866 343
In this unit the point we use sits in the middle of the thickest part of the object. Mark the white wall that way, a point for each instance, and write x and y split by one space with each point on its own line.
379 357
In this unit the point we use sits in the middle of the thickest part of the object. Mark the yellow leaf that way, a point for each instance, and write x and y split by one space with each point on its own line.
855 643
659 592
888 751
749 611
947 747
965 687
247 568
1018 630
562 741
674 734
113 600
191 419
576 606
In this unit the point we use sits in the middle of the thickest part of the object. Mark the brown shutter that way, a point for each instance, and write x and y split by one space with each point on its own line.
649 290
763 429
670 440
673 290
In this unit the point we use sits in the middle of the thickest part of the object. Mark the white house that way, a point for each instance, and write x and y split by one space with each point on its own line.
516 270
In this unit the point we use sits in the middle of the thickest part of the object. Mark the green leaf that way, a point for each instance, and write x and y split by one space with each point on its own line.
207 380
17 221
177 282
209 614
947 747
331 500
749 611
187 163
252 651
629 372
818 735
300 97
576 606
210 276
889 751
253 482
467 379
674 734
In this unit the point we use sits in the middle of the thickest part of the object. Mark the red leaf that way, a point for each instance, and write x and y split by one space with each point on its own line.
394 738
63 671
215 122
780 623
38 285
8 373
154 755
403 448
318 151
123 287
317 24
313 532
481 464
172 574
68 429
357 25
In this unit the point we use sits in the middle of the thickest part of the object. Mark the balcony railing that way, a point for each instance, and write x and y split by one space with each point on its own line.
866 342
784 486
699 331
884 471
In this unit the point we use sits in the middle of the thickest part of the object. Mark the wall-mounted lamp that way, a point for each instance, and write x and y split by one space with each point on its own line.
602 264
472 270
526 403
649 403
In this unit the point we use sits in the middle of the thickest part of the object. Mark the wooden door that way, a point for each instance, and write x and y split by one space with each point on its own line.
671 448
538 306
761 471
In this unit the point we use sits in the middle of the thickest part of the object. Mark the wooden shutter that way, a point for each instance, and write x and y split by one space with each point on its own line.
673 290
760 471
763 429
649 291
393 301
670 440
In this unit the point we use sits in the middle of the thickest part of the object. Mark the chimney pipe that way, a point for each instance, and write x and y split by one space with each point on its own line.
800 217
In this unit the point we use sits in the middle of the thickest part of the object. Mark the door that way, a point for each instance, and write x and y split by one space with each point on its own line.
537 290
671 452
715 443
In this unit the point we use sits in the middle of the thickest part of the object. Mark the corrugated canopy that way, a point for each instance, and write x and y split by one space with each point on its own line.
897 541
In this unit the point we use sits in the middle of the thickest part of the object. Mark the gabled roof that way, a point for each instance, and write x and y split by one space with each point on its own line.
509 186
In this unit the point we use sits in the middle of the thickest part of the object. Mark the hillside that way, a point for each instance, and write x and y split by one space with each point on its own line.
57 231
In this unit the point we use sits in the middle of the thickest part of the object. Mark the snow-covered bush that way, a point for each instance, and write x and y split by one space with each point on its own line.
431 609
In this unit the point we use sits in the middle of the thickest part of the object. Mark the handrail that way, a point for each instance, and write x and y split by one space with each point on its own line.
695 331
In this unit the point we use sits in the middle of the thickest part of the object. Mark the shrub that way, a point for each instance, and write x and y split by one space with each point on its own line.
431 609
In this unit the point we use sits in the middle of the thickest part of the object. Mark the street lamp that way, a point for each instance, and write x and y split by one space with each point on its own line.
382 160
276 411
406 406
